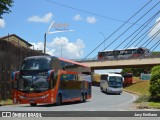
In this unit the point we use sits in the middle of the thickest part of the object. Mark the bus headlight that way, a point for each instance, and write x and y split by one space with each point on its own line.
44 96
22 97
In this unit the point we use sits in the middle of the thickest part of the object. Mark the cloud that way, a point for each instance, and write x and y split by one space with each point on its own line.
61 46
46 18
155 29
77 17
91 19
2 23
38 46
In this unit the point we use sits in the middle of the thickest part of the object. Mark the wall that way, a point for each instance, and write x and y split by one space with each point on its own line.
11 57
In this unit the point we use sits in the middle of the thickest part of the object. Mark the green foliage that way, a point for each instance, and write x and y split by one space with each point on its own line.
155 83
4 6
135 71
156 53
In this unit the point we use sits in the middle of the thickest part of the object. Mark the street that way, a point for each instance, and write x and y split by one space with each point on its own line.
99 102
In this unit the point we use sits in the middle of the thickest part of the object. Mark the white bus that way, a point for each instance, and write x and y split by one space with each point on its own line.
111 83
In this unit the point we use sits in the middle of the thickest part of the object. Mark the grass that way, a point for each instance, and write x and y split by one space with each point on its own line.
139 87
136 79
6 102
154 105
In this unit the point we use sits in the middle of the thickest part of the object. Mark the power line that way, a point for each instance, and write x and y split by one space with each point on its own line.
143 27
131 25
84 11
118 29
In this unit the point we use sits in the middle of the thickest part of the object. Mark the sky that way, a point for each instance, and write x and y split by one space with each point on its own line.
91 22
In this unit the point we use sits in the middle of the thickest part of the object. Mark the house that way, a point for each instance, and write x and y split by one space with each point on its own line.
16 40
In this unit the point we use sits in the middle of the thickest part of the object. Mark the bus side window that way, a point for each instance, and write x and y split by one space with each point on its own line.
104 77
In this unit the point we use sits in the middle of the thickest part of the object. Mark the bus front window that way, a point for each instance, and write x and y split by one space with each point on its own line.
33 83
36 64
33 75
115 81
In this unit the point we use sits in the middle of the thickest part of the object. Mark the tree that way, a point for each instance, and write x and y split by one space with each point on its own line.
4 6
155 83
135 71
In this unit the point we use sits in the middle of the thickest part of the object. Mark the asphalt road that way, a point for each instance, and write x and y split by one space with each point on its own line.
99 102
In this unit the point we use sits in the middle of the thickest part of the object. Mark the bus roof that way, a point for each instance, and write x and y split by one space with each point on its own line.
125 49
112 74
57 58
73 62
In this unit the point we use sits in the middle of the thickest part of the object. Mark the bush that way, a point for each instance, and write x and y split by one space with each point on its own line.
155 83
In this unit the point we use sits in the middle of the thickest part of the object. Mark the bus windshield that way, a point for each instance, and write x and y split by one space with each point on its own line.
36 83
33 75
115 81
36 64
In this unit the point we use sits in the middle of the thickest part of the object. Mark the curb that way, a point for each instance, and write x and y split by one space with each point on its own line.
138 94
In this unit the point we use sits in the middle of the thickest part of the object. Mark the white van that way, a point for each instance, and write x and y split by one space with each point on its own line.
111 83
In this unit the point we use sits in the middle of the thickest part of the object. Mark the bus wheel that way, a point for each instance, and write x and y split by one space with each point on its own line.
59 100
82 97
85 97
33 104
101 89
106 91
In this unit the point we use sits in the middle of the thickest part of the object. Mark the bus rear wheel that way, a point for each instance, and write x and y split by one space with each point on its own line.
83 97
59 100
33 104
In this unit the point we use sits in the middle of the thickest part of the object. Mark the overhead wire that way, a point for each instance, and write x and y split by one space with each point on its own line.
151 38
125 22
88 12
156 45
141 28
129 44
131 26
146 41
117 29
144 35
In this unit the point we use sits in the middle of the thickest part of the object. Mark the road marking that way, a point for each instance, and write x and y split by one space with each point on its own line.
134 98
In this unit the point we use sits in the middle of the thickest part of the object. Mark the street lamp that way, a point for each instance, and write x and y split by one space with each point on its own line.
104 38
59 31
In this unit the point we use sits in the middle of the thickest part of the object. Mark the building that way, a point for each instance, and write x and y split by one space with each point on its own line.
16 40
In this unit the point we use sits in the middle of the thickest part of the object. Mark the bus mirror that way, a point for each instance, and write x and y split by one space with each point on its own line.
50 75
15 75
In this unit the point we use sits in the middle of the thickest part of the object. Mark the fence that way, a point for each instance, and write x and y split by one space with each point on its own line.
11 57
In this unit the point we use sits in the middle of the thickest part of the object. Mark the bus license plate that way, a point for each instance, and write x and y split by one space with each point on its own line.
32 101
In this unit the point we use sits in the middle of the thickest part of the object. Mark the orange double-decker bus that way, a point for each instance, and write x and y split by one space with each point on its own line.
48 79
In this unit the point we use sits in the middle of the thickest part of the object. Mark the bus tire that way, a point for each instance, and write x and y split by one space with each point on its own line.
33 104
85 97
106 91
101 89
59 100
82 97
